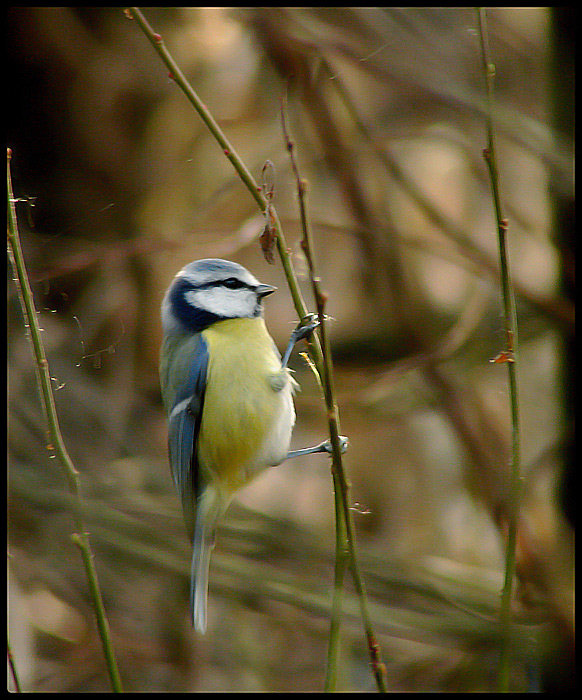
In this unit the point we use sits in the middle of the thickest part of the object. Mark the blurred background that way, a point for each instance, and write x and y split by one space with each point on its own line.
120 184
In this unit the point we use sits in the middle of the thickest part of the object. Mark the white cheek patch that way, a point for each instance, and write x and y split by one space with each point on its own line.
231 303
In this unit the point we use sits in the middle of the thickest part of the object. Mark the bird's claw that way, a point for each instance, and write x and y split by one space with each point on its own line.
305 327
343 441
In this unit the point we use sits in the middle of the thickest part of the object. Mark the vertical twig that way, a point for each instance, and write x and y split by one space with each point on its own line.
341 535
345 531
509 356
56 444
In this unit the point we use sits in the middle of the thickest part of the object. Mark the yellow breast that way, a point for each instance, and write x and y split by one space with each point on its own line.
247 400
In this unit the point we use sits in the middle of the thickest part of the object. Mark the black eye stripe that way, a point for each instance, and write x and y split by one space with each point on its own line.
233 283
229 283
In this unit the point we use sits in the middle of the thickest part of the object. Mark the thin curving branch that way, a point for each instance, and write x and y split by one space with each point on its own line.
56 442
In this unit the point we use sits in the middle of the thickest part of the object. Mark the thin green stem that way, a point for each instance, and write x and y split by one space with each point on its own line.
56 442
345 532
179 78
510 356
341 562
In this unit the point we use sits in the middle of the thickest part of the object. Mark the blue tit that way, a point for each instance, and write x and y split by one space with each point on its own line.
228 398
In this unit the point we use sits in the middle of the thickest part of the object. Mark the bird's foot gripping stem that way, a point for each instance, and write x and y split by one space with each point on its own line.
303 329
322 447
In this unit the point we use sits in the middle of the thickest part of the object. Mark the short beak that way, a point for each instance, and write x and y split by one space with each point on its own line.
264 289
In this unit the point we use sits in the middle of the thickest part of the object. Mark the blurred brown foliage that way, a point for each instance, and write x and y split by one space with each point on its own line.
121 185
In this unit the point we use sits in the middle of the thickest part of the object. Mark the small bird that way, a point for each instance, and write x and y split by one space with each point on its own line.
228 398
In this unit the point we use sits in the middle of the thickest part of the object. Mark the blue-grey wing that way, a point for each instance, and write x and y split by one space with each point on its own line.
190 366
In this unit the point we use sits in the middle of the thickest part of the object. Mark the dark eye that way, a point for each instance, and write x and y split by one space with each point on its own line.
232 283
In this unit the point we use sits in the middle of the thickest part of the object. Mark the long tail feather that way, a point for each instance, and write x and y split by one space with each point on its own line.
202 546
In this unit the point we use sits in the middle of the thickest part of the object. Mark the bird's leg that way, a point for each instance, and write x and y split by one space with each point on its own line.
322 447
303 329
